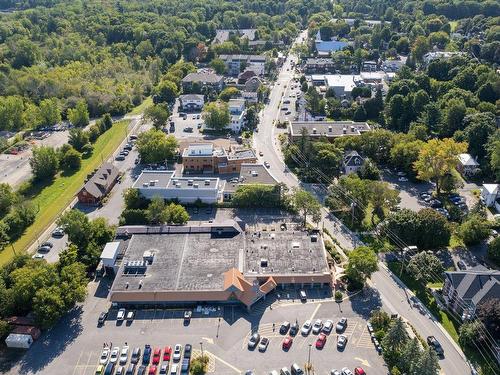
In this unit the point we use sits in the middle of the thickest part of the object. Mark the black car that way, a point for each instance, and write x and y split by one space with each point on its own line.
461 265
136 355
187 350
185 366
147 355
434 344
436 203
130 369
102 318
285 326
294 329
110 367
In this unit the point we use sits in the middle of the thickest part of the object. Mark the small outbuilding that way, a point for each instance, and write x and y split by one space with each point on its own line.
19 341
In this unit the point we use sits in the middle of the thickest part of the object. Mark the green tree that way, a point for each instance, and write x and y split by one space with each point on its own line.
307 205
133 199
362 263
474 230
257 195
428 363
382 197
44 162
394 342
420 47
78 138
488 313
144 48
156 212
438 158
479 127
11 113
494 250
7 198
156 147
455 111
493 149
199 365
313 101
71 159
4 329
229 93
107 121
470 333
424 266
165 92
49 112
216 115
158 115
48 306
410 357
176 214
77 226
405 154
369 171
218 65
79 116
25 53
251 117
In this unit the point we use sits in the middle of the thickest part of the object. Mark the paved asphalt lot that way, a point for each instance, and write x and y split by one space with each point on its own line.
73 346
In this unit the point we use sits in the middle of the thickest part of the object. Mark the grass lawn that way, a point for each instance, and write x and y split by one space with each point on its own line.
141 107
53 198
427 299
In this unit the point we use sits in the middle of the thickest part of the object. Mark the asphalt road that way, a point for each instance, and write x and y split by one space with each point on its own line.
391 292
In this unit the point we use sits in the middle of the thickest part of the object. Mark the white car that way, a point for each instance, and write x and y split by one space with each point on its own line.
341 342
346 371
328 326
124 355
113 357
104 356
174 368
306 327
177 352
402 179
120 315
318 324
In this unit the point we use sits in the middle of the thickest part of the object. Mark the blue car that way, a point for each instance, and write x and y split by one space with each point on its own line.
147 355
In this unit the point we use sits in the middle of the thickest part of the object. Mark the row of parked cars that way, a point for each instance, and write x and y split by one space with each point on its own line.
318 328
148 361
437 205
124 153
296 370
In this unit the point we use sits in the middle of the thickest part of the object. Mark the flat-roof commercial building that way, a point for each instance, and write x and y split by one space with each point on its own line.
341 84
166 185
249 174
216 263
327 129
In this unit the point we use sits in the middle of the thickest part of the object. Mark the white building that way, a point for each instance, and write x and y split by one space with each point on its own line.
166 185
191 102
431 56
489 194
467 165
342 84
237 111
352 162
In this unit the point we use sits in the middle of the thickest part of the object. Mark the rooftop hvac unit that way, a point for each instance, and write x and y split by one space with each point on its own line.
151 182
207 182
314 130
190 182
352 129
344 130
263 262
195 186
330 129
255 173
148 256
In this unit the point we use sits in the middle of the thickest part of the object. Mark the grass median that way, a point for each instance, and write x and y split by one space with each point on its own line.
51 199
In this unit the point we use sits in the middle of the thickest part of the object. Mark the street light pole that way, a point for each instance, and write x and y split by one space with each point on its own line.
201 346
309 360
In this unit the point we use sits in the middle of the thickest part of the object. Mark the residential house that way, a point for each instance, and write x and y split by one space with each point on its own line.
352 162
253 84
431 56
99 185
369 66
191 102
244 76
237 111
325 129
250 97
236 63
489 195
467 165
202 79
392 66
223 35
463 291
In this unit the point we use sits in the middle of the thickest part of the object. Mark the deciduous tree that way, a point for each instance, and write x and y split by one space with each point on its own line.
362 263
44 162
156 147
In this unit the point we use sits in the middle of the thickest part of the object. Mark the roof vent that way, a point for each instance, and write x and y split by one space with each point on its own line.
190 182
344 130
263 262
207 182
255 173
314 130
352 129
195 186
330 129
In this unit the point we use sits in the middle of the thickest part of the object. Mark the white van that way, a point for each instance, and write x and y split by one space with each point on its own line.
303 296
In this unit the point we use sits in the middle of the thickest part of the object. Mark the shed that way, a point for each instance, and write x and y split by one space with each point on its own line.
17 340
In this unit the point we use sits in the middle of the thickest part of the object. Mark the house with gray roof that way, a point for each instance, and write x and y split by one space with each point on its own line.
463 291
202 79
352 162
99 184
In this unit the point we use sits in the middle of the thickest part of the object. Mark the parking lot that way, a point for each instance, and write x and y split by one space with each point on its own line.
74 345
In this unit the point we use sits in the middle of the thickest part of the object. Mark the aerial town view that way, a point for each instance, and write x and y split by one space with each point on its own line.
289 187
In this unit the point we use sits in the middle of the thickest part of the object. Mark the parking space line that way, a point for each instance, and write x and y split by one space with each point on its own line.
315 311
77 363
238 371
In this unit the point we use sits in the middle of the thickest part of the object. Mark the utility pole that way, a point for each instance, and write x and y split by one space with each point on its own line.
309 360
201 346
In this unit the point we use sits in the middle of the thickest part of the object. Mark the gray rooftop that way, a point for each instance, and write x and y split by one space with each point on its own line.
475 285
202 77
328 128
251 174
159 178
167 179
197 261
251 58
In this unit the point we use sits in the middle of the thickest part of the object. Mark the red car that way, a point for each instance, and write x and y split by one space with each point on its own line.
287 343
166 353
152 370
359 371
156 356
321 341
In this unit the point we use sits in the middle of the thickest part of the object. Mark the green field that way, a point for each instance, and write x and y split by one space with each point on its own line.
141 107
52 199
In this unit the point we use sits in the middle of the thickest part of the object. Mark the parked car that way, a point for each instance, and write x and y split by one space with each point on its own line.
99 370
346 371
335 372
120 370
254 340
296 370
43 249
341 325
156 356
130 316
115 352
147 354
287 343
47 244
102 318
328 326
152 370
285 326
341 341
120 157
359 371
285 370
136 355
434 344
264 343
141 370
294 329
124 355
321 341
174 369
303 296
58 232
187 316
317 326
130 369
461 265
185 366
110 367
103 359
164 368
121 315
435 203
177 352
167 352
187 350
306 328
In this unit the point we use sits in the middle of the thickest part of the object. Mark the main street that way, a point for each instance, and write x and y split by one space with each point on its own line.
394 296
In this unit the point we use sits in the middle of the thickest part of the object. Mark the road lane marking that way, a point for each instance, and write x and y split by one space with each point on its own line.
237 370
364 362
208 339
315 311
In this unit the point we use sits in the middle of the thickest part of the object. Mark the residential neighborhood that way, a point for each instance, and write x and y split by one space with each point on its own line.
250 188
